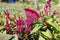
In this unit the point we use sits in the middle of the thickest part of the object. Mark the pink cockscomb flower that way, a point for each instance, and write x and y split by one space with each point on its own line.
32 13
29 20
47 7
8 25
19 29
19 21
7 22
7 14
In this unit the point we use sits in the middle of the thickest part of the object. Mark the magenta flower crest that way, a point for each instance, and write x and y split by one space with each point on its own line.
31 13
29 21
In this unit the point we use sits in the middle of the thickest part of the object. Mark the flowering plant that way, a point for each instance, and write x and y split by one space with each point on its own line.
35 26
17 25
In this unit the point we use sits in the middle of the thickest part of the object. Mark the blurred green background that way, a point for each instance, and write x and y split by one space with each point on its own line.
20 5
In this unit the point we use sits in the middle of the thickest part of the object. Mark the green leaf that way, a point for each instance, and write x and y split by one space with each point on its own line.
49 19
36 28
41 38
55 36
15 37
1 27
47 33
55 25
5 36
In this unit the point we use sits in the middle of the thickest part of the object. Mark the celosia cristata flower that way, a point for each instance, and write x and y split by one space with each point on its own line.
8 25
31 15
7 14
47 7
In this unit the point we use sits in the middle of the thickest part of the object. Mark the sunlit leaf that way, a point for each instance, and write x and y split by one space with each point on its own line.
55 25
41 38
5 36
36 28
47 33
15 37
55 36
